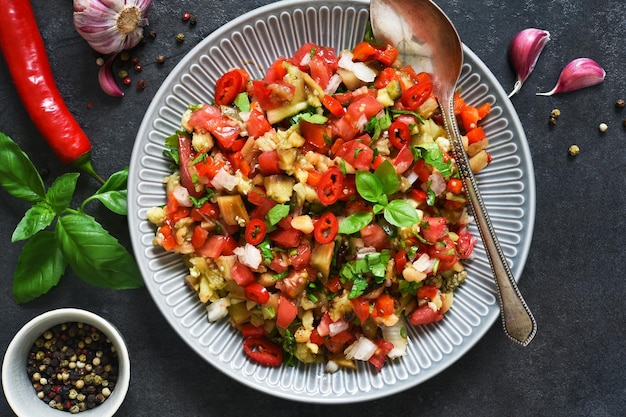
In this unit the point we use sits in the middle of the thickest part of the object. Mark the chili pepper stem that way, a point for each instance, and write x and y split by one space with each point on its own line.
86 166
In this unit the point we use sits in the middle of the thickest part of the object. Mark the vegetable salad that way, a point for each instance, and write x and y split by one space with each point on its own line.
319 209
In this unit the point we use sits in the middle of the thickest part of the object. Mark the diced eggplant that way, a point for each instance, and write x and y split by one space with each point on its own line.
233 210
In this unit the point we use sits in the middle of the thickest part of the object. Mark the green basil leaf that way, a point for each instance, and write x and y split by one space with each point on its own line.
94 255
116 182
388 177
401 214
18 175
355 222
36 218
358 287
61 191
277 213
434 156
40 266
369 186
116 201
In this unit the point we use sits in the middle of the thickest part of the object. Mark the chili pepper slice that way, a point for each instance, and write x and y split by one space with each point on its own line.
416 95
399 134
326 228
256 230
333 105
330 187
257 293
25 55
229 85
263 351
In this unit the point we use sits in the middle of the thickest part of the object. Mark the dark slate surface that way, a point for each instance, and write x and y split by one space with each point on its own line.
573 279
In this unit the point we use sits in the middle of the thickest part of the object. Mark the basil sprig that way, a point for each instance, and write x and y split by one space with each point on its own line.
75 239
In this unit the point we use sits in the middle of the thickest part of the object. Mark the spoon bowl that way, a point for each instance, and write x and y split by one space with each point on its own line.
428 41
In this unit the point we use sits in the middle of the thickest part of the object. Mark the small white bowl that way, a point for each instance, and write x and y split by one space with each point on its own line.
18 387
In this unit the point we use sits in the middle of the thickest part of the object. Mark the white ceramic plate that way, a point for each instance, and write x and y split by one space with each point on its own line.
254 41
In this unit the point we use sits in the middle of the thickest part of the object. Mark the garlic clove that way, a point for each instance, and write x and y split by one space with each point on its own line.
524 52
107 79
111 26
580 73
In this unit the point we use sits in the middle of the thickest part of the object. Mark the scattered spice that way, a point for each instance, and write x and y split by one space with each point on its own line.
127 81
186 16
620 103
73 367
193 21
99 61
180 37
138 67
554 115
160 59
603 127
152 34
141 84
125 56
573 150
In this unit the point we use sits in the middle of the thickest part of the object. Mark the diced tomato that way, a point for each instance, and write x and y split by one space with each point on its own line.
475 135
229 85
333 105
286 312
209 167
445 251
385 77
268 163
257 124
424 315
263 351
323 328
320 71
217 245
199 236
238 163
357 154
366 105
168 242
272 95
338 342
469 118
374 235
403 160
380 356
301 257
286 238
422 169
434 229
242 274
386 55
315 134
279 263
276 72
363 51
222 128
383 305
257 293
334 284
349 188
427 292
361 308
400 260
316 338
466 242
379 159
250 330
418 195
455 185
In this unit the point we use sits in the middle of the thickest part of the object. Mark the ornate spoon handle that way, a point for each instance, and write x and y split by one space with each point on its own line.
519 323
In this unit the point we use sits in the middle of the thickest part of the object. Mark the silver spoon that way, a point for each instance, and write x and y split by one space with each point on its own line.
428 41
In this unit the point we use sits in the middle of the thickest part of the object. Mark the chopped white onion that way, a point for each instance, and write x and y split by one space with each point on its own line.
362 349
338 327
224 180
359 69
181 194
333 84
249 255
424 263
437 183
394 334
218 309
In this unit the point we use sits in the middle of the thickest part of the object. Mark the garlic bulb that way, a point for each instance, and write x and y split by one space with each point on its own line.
524 52
579 73
111 26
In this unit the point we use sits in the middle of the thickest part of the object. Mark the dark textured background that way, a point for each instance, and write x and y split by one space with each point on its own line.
573 280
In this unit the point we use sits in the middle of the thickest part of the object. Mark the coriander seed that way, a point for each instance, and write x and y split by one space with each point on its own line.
603 127
620 103
180 38
573 150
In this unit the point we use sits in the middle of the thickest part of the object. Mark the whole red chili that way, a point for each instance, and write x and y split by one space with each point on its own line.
25 54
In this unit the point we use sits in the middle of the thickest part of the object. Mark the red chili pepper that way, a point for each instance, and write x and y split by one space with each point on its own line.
255 231
257 293
399 134
330 186
229 85
263 351
25 54
417 94
326 228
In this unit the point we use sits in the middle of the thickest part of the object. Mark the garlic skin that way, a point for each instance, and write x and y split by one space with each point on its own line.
524 52
580 73
106 79
111 26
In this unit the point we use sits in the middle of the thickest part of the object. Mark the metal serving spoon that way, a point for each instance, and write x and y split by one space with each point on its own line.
428 41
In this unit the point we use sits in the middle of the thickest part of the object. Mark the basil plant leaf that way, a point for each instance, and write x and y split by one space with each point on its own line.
40 266
94 255
369 186
388 177
61 192
116 201
401 214
116 182
18 175
36 218
355 222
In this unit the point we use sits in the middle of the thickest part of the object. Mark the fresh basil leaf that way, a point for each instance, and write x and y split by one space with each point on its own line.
388 177
36 218
277 213
40 266
355 222
434 156
116 182
369 186
358 287
61 191
401 214
116 201
18 175
94 255
376 125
